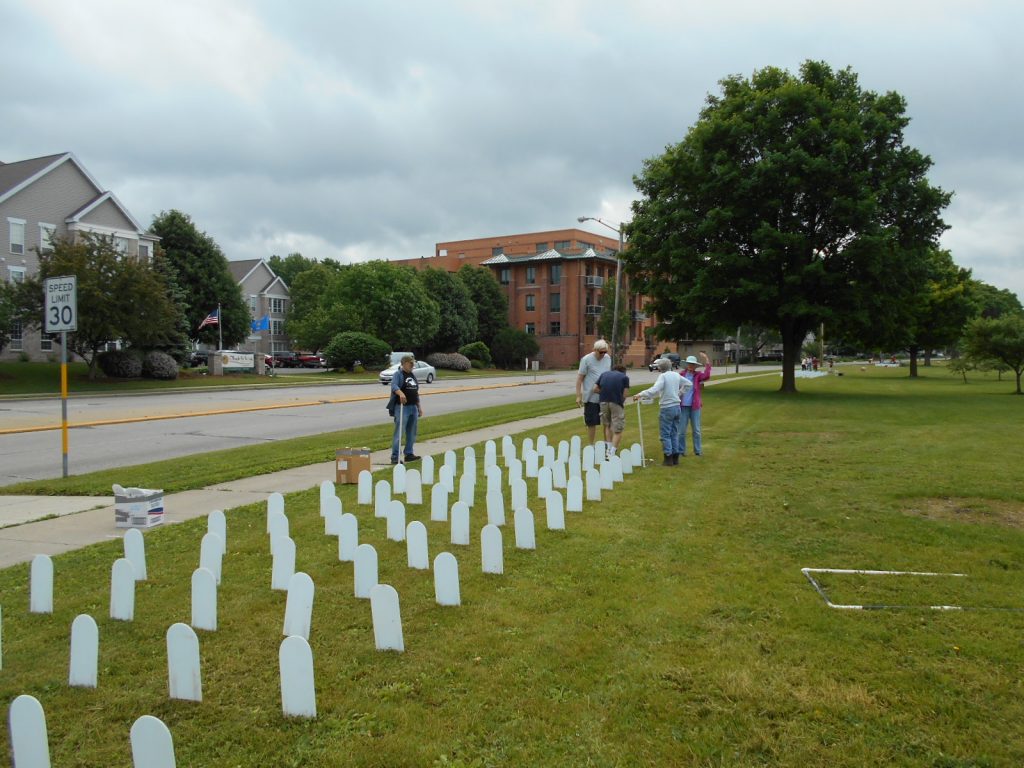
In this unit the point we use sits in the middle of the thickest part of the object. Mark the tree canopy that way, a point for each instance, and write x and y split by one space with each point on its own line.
294 264
489 298
998 340
457 312
792 201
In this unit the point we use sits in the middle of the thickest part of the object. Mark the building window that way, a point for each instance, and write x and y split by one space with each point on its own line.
277 306
17 235
530 305
531 328
542 247
121 243
531 275
16 339
46 342
591 324
144 251
277 327
556 274
499 251
17 274
556 302
46 235
252 305
504 275
563 245
556 328
583 244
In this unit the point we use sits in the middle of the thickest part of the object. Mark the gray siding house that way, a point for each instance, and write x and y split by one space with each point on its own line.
268 297
48 197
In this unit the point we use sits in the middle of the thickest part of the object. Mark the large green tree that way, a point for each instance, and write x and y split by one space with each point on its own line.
942 308
997 340
458 324
994 302
488 297
312 324
294 264
19 303
202 272
792 201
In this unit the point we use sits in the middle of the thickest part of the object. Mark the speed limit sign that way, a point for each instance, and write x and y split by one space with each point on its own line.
61 305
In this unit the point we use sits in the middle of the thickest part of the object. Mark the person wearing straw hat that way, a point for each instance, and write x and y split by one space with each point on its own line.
405 395
591 368
667 390
691 403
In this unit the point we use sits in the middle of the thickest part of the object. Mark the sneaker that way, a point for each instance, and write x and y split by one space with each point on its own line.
394 461
411 457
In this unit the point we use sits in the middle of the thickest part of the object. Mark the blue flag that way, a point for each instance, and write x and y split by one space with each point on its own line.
263 324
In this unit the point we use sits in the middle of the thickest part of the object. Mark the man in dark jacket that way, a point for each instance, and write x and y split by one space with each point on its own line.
405 394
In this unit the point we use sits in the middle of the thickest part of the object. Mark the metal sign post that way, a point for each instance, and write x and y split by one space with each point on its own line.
60 315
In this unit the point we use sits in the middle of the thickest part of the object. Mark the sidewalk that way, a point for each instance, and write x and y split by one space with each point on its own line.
72 522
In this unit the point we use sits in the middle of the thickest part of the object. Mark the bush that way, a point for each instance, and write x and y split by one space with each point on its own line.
349 347
477 365
452 361
159 365
120 364
477 352
511 346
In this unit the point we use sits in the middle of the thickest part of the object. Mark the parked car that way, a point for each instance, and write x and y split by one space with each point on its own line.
286 359
670 355
310 360
422 371
197 358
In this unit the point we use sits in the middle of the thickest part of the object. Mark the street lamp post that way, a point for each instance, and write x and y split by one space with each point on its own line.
618 282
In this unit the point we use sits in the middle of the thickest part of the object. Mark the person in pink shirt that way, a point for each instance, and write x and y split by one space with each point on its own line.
690 403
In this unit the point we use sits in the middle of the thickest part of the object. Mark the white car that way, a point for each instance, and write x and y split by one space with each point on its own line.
422 371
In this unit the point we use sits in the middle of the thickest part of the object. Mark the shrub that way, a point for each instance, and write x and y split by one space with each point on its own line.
452 361
159 365
120 364
477 352
511 346
348 347
478 365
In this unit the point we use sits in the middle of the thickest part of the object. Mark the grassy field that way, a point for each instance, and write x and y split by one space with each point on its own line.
668 625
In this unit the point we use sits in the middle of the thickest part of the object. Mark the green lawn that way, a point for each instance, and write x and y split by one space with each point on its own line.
668 625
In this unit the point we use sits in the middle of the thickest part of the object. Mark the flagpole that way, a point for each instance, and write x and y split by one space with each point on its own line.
220 331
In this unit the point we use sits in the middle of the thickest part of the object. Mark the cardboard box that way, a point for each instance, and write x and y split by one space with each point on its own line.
138 508
350 462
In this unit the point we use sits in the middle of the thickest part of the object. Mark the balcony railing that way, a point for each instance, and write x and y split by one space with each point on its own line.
594 280
595 309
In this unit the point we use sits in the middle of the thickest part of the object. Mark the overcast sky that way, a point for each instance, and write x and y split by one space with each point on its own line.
359 130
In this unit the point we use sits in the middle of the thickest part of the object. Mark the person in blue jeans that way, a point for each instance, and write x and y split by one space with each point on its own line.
405 393
666 389
691 402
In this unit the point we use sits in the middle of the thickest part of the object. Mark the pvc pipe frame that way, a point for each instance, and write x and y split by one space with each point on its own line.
818 588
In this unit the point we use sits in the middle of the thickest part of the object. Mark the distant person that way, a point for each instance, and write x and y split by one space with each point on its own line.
613 388
667 389
592 365
406 408
691 403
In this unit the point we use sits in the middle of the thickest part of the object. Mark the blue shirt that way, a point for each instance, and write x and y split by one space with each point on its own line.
613 385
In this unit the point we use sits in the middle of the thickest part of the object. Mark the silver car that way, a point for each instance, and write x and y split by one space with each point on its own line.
422 371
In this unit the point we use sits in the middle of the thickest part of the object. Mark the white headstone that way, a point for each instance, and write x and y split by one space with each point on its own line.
211 554
387 618
348 538
469 465
298 692
507 445
544 482
152 745
217 523
607 475
519 494
41 585
416 546
427 470
460 523
283 567
617 471
638 455
588 458
575 467
492 559
396 521
135 552
593 485
574 495
542 443
563 451
548 455
525 535
531 462
364 488
27 728
446 477
398 473
490 454
527 446
515 471
85 652
183 674
469 452
467 489
558 474
495 508
365 571
439 502
600 452
275 503
451 460
446 580
204 600
298 610
381 498
575 443
330 508
413 487
122 590
326 492
493 475
626 460
556 511
277 525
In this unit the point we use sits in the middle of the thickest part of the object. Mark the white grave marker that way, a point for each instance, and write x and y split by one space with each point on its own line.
275 503
364 488
558 475
617 470
41 587
446 477
298 692
556 511
211 553
185 681
204 600
490 454
519 494
638 455
515 471
217 523
85 652
607 475
387 618
626 461
588 458
330 508
398 474
563 451
27 728
575 466
298 609
122 590
277 525
495 508
451 460
530 462
507 445
326 492
593 485
427 470
469 465
469 452
152 745
525 535
284 563
527 446
544 482
492 559
413 487
416 546
574 495
135 552
365 571
574 445
396 521
439 503
542 443
493 475
467 489
600 452
381 498
348 538
446 580
460 523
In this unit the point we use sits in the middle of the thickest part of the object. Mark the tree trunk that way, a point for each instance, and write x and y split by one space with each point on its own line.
913 362
928 358
790 354
1017 371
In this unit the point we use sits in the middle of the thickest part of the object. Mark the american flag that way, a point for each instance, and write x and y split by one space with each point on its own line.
211 319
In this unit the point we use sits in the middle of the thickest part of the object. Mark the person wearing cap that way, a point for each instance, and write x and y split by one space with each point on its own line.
592 365
405 390
691 404
667 389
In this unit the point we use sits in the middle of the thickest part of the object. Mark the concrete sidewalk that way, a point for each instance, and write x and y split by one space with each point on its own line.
51 525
